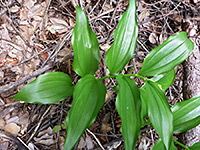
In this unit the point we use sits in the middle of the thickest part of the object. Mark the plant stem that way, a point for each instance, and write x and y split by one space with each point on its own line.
126 75
182 145
109 76
137 75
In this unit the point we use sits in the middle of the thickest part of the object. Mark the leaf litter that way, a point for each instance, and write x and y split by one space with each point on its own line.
28 38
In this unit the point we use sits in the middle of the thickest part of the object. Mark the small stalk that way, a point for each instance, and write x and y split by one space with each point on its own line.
182 145
126 75
137 75
109 76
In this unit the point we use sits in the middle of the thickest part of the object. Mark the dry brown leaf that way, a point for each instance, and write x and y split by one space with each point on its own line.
13 120
12 128
4 144
153 38
5 48
23 118
14 9
89 142
106 127
82 143
29 3
196 1
105 47
47 142
3 55
2 124
58 25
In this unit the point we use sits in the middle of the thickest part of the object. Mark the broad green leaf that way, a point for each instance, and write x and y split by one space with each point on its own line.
128 105
159 112
125 38
85 46
144 108
160 146
166 56
48 88
186 114
165 80
88 99
196 146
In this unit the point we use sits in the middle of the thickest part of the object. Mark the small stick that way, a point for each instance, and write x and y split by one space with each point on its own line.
45 14
95 139
6 8
34 74
39 123
20 144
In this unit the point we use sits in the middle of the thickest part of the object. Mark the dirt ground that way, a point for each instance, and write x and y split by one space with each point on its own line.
35 37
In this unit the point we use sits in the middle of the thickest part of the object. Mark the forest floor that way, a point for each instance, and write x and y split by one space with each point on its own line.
35 37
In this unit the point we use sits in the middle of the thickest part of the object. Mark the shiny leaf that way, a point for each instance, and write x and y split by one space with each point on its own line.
144 98
128 105
48 88
85 46
160 146
125 38
166 56
196 146
88 99
159 112
165 80
186 114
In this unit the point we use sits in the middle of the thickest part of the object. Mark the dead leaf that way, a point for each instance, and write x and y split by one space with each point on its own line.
82 143
23 118
14 9
2 124
153 38
29 3
105 47
47 142
105 126
13 120
196 1
40 48
162 38
59 25
12 128
89 142
4 144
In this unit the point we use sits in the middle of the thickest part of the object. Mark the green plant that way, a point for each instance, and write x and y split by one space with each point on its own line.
132 103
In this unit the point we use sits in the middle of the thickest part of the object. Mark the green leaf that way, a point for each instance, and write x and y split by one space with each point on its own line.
160 146
85 46
116 88
159 112
56 129
165 79
88 99
196 146
48 88
125 38
64 124
144 98
186 114
166 56
128 105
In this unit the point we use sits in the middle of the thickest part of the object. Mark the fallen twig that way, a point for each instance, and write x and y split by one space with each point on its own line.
20 144
34 74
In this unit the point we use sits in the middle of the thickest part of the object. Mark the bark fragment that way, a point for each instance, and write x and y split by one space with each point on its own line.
191 83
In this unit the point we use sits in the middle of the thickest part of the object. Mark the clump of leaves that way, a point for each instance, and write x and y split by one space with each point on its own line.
132 103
